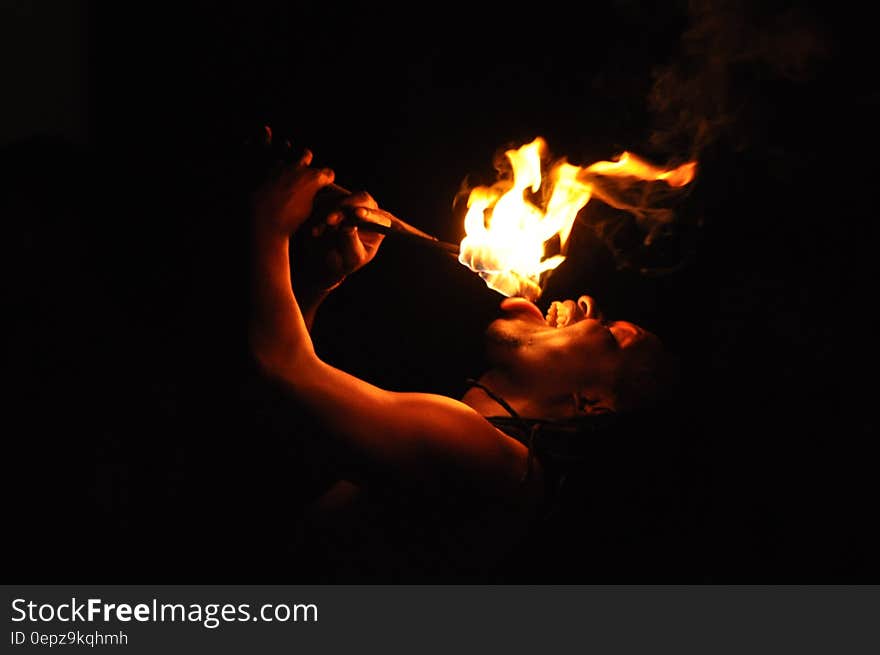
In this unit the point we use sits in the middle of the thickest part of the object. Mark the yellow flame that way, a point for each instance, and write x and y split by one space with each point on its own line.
506 233
629 165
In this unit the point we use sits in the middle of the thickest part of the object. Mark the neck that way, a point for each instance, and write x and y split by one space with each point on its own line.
529 403
483 403
524 404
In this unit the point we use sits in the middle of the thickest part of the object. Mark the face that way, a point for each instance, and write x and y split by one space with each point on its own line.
572 347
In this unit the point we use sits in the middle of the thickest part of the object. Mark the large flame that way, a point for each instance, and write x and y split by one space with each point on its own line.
508 228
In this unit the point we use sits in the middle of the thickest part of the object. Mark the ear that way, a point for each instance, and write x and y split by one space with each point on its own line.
590 405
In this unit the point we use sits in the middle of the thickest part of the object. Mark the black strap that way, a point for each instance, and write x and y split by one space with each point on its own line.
530 430
494 396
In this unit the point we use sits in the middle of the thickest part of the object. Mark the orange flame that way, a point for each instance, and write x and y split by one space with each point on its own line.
507 233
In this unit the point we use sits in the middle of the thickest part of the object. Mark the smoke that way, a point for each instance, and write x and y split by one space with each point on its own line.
716 95
730 52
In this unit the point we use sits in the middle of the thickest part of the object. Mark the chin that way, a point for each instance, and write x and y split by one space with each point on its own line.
501 333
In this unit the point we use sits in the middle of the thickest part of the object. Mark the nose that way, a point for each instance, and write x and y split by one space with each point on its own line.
590 308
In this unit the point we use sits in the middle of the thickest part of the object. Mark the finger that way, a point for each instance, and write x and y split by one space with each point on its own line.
305 159
360 199
352 249
321 176
373 216
371 240
331 221
389 220
310 180
296 174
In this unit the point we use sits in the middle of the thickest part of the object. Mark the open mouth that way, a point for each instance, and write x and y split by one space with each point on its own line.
560 314
563 314
522 306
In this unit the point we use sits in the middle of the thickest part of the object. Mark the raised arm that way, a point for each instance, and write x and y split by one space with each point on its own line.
432 442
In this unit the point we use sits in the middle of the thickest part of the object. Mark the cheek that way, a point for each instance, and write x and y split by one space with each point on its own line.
594 339
595 351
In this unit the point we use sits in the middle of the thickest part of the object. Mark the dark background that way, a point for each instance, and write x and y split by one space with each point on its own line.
135 449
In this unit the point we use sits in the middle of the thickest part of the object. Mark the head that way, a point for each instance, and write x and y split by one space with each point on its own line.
572 362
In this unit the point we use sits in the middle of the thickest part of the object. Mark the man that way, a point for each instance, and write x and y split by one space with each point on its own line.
566 365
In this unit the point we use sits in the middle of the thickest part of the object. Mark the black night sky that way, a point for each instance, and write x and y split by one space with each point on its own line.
126 158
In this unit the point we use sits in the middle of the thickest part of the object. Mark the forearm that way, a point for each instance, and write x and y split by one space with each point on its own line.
278 332
309 299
